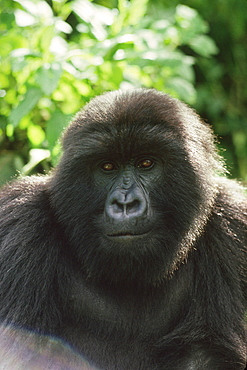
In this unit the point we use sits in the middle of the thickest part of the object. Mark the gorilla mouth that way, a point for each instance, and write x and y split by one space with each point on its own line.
126 235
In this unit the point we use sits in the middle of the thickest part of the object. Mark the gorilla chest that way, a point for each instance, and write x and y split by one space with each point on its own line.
115 331
113 351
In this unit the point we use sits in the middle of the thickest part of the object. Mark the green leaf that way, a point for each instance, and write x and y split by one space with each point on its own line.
137 11
186 13
44 37
31 98
7 19
190 20
183 89
3 122
55 126
10 164
204 45
47 77
189 24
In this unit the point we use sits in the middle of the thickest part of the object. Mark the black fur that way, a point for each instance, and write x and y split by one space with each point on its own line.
173 295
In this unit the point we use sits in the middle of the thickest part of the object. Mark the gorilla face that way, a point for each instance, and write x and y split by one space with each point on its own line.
133 189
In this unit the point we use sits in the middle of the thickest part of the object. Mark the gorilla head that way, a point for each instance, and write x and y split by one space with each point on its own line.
134 186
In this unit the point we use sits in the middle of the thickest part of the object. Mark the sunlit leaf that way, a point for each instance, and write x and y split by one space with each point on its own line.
24 19
204 45
36 157
137 10
35 134
38 8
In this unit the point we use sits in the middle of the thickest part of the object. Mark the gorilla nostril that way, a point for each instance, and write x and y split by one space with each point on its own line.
133 207
117 207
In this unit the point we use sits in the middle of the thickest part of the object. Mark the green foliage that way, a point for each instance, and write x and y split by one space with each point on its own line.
29 101
221 80
55 57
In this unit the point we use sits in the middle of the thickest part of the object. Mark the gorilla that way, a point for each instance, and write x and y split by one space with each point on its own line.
133 249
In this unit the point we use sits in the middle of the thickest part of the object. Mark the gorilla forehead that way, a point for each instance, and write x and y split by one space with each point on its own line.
125 122
121 111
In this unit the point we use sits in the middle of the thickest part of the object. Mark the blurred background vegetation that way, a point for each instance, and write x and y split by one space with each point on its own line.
56 54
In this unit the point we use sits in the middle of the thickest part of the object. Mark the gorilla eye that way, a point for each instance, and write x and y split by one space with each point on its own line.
108 166
145 163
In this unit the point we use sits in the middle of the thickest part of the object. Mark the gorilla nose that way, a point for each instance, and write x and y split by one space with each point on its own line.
121 205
